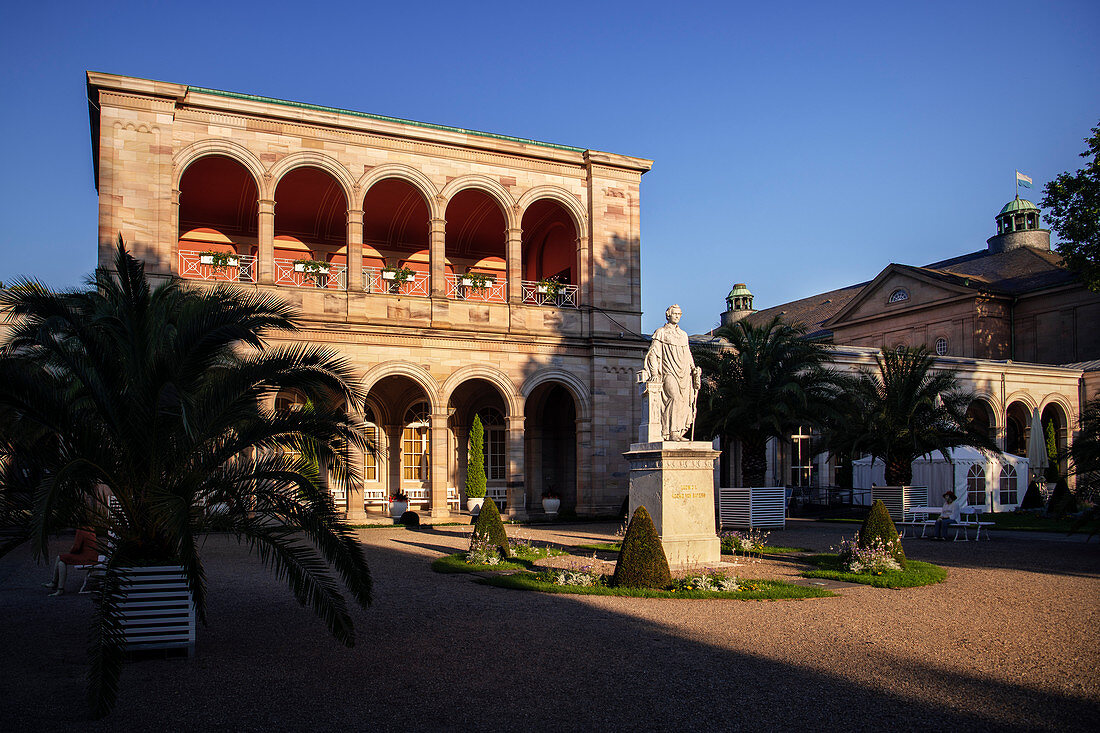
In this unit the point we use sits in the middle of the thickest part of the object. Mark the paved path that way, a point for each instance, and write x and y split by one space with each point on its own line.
1009 641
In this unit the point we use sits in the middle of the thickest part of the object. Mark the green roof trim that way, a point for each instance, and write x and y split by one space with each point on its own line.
382 118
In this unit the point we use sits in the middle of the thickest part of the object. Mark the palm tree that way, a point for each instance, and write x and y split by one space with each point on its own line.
162 397
1086 463
902 410
767 382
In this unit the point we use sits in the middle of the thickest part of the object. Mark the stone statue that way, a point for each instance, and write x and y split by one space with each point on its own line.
669 365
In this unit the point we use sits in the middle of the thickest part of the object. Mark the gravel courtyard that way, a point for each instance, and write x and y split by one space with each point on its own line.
1009 641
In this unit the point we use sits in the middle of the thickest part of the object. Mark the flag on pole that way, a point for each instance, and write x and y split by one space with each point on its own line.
1022 180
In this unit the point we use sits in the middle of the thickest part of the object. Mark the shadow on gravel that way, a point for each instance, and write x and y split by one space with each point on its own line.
437 655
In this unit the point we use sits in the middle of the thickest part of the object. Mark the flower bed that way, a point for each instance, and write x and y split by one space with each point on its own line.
746 589
915 574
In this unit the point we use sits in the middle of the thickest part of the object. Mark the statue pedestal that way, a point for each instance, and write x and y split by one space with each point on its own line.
674 481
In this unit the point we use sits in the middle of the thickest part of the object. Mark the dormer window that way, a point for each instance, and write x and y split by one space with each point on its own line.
899 295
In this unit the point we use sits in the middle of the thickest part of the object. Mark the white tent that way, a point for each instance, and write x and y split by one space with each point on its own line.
996 481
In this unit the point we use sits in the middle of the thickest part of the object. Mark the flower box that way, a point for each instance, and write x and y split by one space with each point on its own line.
209 259
393 275
312 269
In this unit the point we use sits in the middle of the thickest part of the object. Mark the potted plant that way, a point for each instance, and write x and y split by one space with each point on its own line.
398 274
548 286
399 504
478 281
94 448
475 468
551 502
219 260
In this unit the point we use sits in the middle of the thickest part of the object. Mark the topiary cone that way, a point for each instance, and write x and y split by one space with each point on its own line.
879 524
490 528
642 562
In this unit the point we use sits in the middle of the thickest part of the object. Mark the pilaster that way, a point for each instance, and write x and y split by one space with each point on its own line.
265 255
437 242
514 251
517 491
355 249
438 477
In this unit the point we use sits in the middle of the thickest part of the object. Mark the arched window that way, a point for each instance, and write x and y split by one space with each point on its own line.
370 466
1008 486
899 295
493 422
415 444
975 485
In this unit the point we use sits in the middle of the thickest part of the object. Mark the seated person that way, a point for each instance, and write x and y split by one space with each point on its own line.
949 515
84 552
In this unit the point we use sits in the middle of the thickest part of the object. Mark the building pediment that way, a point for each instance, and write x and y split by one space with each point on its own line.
901 288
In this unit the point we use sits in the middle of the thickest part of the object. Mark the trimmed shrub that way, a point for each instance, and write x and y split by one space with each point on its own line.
475 461
1052 453
1033 499
642 562
410 519
1062 501
490 529
878 524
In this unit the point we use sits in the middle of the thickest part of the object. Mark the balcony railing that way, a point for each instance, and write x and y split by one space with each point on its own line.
416 285
331 277
562 296
197 266
463 287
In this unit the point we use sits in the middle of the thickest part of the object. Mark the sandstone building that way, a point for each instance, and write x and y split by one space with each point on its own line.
461 272
1020 329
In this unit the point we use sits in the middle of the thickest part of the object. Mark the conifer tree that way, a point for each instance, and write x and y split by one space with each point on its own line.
475 461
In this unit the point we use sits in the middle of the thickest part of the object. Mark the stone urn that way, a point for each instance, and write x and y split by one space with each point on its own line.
473 505
550 505
397 508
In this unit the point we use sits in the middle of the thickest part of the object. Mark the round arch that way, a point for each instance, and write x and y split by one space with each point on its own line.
1058 399
311 159
1024 398
406 173
416 373
482 183
567 200
183 159
381 410
566 379
512 399
989 401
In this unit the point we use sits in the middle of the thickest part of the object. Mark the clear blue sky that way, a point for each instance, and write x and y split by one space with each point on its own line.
798 147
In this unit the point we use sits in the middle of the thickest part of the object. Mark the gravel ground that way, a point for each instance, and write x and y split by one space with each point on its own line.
1009 641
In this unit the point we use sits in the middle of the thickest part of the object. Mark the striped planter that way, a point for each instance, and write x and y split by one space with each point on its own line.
753 508
898 499
157 609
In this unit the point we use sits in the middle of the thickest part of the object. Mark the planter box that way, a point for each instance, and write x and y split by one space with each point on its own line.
391 275
157 609
473 506
299 267
542 289
397 508
753 508
551 506
209 260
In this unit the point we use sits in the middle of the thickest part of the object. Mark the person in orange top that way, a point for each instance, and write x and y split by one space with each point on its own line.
84 552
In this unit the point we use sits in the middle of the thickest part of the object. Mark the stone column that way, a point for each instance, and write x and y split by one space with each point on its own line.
265 255
514 259
515 470
439 463
438 255
354 490
355 249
